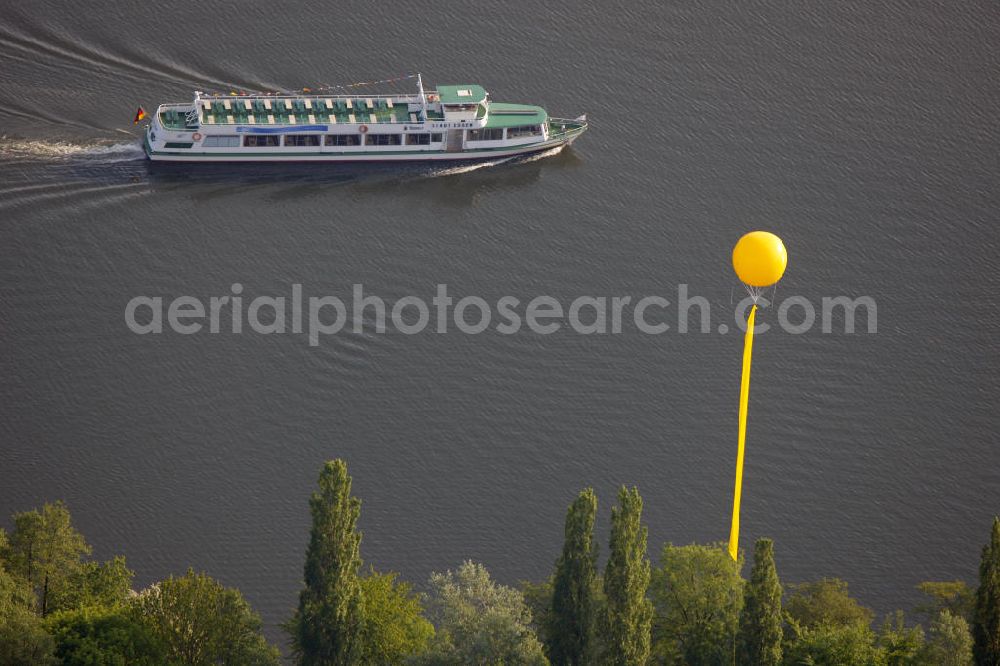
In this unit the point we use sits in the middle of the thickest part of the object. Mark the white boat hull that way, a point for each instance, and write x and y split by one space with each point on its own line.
356 156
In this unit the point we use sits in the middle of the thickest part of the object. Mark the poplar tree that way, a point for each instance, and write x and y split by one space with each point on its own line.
571 624
628 619
327 627
760 619
986 624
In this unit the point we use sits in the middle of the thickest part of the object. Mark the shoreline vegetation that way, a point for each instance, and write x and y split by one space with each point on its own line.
693 607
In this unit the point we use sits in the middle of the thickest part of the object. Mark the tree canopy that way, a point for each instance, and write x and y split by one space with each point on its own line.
59 607
45 549
629 613
826 602
478 621
571 628
986 618
955 596
106 636
698 593
949 641
834 644
394 625
327 627
202 623
760 632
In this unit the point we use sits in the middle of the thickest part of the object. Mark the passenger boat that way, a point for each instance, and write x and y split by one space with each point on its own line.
453 122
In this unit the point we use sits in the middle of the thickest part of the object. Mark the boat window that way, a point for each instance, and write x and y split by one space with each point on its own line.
460 107
418 139
299 140
221 141
523 130
261 141
177 144
437 137
383 139
493 134
342 140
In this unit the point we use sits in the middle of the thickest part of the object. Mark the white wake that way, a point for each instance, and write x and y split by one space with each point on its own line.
37 150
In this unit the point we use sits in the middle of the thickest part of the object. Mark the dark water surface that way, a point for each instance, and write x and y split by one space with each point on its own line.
865 134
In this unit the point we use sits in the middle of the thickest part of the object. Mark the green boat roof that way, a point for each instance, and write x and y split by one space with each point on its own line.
466 93
512 115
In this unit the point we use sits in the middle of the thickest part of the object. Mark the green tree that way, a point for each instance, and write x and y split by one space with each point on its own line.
45 550
94 584
103 637
949 641
986 622
327 628
760 620
826 602
538 598
570 632
954 596
15 595
394 626
629 613
698 593
479 622
199 623
833 645
23 639
901 646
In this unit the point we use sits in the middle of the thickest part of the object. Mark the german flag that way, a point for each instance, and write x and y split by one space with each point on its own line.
139 115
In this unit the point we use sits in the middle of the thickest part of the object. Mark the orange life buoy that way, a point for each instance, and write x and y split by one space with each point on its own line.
363 129
196 136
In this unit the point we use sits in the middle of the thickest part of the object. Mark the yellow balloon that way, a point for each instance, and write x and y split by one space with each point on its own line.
759 258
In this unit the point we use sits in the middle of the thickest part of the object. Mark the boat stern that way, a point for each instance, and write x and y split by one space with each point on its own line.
146 140
172 127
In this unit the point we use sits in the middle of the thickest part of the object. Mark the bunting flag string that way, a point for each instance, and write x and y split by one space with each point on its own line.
325 88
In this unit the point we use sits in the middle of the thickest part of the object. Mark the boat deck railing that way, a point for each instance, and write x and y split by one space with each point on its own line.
187 117
432 96
178 116
564 128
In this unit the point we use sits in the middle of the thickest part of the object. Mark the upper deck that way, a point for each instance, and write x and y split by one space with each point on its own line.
291 110
468 104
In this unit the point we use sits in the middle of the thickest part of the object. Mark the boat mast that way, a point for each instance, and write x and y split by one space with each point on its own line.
423 97
193 117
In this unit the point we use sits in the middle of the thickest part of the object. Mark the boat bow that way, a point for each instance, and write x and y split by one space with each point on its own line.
567 129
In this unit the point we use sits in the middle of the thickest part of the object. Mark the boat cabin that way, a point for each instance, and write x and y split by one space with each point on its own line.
465 102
